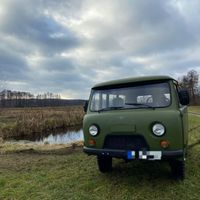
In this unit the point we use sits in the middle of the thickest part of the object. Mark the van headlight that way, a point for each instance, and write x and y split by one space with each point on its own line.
158 129
93 130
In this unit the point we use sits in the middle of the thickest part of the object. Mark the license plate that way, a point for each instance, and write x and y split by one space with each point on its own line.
144 155
150 155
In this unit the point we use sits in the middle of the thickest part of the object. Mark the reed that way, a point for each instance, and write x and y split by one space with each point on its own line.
26 121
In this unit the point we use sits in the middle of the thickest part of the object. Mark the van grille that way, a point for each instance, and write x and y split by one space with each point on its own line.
125 142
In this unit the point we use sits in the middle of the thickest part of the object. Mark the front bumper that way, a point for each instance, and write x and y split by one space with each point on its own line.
144 155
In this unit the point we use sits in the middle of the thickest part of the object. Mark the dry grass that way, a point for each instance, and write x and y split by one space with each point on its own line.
25 121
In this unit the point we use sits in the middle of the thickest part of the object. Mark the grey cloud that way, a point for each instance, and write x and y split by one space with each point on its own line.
101 40
12 66
58 64
58 82
142 27
29 24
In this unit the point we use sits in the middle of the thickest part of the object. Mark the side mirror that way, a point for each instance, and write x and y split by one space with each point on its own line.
85 107
184 97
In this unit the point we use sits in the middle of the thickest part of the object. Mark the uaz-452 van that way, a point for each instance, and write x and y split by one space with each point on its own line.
142 118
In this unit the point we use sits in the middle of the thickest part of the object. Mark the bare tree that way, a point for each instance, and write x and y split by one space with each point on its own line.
190 82
193 78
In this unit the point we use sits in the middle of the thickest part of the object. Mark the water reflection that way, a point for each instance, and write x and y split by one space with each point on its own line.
72 134
63 138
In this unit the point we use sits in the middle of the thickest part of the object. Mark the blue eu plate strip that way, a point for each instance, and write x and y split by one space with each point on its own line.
129 155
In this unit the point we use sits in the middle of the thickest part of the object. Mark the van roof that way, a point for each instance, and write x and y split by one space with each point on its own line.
132 80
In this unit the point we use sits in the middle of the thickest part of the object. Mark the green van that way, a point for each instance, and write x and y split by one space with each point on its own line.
142 118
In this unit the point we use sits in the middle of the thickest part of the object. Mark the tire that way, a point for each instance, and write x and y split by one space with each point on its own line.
104 163
177 169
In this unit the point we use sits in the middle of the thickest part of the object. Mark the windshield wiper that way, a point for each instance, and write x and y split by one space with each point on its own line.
140 105
110 108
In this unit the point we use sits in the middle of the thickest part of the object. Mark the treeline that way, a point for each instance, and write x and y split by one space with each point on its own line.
9 94
11 103
12 99
190 81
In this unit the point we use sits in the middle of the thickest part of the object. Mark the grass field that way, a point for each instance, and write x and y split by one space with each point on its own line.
194 109
75 176
67 173
26 121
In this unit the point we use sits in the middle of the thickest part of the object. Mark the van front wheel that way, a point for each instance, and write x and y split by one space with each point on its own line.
104 163
177 169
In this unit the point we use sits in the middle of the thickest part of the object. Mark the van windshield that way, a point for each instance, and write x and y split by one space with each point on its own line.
140 96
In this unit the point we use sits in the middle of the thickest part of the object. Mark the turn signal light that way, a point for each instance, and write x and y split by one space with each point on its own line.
92 142
164 144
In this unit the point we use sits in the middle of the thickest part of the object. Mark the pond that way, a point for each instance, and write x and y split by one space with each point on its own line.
73 134
62 138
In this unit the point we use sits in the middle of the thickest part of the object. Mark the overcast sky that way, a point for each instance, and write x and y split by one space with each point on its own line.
66 46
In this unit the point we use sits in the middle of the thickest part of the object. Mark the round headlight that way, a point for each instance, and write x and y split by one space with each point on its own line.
93 130
158 129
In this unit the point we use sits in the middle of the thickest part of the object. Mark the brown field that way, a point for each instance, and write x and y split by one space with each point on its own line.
16 122
20 122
